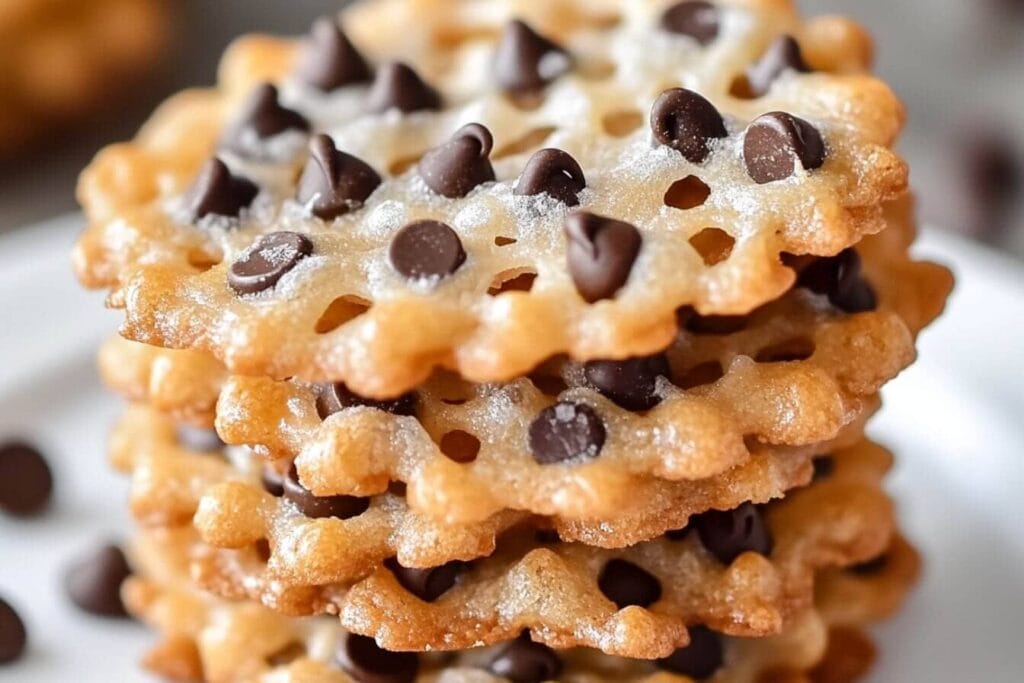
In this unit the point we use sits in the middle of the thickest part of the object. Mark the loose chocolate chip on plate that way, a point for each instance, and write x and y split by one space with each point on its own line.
362 659
694 18
700 659
727 534
426 249
626 584
318 507
629 383
555 173
839 278
527 61
600 254
781 56
218 192
199 439
461 164
335 182
685 121
776 143
264 116
398 86
93 582
334 398
267 261
566 431
26 481
273 482
329 60
427 584
524 661
13 637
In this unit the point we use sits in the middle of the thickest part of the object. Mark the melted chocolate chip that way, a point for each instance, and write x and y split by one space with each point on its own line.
273 482
524 661
776 143
329 60
839 278
700 659
334 398
317 507
362 659
26 482
334 181
555 173
264 117
566 431
426 249
217 191
13 637
527 61
398 86
685 121
600 254
783 55
629 383
626 584
727 534
694 18
94 582
427 584
461 164
199 439
267 261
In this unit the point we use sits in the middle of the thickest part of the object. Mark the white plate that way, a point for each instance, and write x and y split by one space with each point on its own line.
956 421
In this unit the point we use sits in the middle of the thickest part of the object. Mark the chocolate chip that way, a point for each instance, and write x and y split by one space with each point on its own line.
685 121
217 191
427 584
679 534
329 60
693 18
783 55
727 534
94 582
839 278
555 173
524 661
461 164
199 439
318 507
365 662
700 659
398 86
872 567
426 249
626 584
267 261
263 117
272 481
600 254
13 637
334 398
824 467
335 182
527 61
629 383
566 431
26 481
776 143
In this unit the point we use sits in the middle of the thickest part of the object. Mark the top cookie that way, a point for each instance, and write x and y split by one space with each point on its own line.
508 191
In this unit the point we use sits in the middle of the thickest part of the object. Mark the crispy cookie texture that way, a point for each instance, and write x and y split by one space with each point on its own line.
507 275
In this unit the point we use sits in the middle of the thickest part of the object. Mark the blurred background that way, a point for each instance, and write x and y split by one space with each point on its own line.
959 65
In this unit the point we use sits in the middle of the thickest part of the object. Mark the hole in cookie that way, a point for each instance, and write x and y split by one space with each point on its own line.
740 88
403 164
503 241
548 382
287 654
460 446
699 375
514 280
713 244
450 388
688 193
262 548
797 348
621 123
716 324
529 141
340 311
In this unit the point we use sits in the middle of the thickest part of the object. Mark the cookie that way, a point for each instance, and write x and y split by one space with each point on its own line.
449 240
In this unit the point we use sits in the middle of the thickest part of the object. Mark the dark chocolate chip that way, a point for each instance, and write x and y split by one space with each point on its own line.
555 173
839 278
217 191
264 116
26 481
398 86
776 143
335 182
626 584
329 60
872 567
334 398
427 584
566 431
199 439
461 164
267 261
694 18
13 637
273 482
94 582
824 467
700 659
527 61
362 659
600 254
685 121
317 507
426 249
781 56
629 383
727 534
524 661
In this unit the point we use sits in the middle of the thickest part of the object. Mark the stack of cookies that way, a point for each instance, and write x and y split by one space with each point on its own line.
499 340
